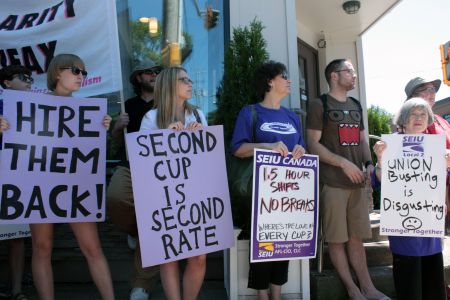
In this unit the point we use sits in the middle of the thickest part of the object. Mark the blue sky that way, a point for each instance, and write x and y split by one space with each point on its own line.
402 45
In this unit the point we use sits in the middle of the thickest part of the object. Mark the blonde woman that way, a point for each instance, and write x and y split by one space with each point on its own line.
172 90
65 75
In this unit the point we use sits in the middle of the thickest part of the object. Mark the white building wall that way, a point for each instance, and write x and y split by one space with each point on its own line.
279 19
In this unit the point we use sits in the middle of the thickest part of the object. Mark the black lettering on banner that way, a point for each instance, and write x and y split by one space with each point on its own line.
15 154
55 160
10 199
53 198
83 121
78 155
22 118
155 143
34 159
36 195
63 118
76 203
140 143
46 120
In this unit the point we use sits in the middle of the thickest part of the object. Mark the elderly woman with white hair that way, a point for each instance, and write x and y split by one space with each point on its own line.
418 265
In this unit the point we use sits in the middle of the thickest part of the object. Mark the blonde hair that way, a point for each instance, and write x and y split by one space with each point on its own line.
166 96
58 62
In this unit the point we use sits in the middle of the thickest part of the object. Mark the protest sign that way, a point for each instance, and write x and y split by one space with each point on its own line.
52 164
32 32
14 231
413 185
285 207
180 192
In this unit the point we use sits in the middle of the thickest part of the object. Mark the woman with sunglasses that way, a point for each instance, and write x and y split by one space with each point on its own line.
15 77
278 129
172 90
64 76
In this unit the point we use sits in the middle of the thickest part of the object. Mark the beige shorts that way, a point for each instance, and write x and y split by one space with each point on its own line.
345 214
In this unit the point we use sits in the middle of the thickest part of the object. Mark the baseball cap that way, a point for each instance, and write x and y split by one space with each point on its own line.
414 83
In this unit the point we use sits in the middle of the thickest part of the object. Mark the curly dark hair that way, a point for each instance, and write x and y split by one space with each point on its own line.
265 73
8 72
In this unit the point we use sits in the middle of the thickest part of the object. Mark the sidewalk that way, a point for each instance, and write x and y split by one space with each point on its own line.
87 291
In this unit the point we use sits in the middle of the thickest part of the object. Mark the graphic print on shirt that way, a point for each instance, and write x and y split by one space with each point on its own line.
348 125
348 134
278 127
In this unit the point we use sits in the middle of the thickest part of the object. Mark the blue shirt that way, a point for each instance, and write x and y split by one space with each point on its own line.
272 125
411 246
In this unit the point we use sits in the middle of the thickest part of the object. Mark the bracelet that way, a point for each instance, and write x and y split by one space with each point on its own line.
369 162
377 166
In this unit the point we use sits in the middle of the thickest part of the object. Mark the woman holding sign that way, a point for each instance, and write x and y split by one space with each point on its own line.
172 90
278 129
15 77
64 76
417 261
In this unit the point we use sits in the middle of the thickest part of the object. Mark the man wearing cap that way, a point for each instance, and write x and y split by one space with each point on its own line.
427 89
120 194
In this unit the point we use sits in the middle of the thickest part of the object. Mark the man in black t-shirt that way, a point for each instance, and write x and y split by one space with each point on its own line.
120 194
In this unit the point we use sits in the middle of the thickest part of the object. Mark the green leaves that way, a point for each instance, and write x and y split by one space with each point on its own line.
244 54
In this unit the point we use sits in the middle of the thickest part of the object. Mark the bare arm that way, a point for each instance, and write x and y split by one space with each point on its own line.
325 155
120 124
367 156
246 149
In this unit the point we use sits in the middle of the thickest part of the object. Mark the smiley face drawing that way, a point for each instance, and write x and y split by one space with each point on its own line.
412 223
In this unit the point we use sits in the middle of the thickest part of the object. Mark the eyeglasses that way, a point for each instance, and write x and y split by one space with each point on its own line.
349 71
284 75
153 72
25 78
428 90
76 71
185 80
418 116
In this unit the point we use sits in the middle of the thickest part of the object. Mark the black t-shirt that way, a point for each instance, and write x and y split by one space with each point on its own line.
136 108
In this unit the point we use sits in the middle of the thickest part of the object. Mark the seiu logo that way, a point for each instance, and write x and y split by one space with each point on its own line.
413 146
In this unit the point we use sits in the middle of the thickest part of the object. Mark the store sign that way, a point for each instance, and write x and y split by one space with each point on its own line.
32 32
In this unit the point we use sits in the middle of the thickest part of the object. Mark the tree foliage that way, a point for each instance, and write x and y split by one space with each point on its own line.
245 53
145 46
379 122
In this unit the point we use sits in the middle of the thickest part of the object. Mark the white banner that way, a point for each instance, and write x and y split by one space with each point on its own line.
32 32
413 185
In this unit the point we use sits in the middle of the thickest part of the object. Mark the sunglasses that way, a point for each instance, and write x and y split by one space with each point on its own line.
284 76
185 80
25 78
153 72
76 71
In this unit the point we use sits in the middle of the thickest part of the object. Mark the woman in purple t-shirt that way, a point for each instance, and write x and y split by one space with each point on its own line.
276 128
417 261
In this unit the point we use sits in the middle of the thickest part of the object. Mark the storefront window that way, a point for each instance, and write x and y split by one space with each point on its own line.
201 40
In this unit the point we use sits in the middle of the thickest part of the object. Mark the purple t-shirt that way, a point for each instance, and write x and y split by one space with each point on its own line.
411 246
272 125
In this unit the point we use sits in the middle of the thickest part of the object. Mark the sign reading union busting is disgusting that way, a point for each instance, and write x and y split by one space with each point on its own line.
413 185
